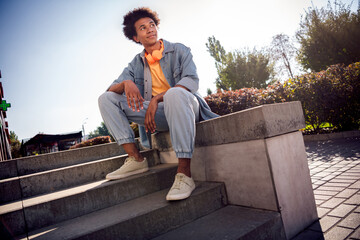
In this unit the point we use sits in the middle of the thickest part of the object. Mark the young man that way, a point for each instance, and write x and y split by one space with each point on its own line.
158 91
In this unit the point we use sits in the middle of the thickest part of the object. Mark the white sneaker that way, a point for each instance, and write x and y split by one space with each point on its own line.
130 167
182 187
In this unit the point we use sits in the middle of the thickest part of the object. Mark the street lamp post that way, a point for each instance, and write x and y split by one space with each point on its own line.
83 128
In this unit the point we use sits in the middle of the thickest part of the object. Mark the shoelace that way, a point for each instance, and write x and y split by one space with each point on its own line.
179 180
128 160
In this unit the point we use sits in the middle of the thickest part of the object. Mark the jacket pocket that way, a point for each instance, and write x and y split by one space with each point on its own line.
139 81
177 74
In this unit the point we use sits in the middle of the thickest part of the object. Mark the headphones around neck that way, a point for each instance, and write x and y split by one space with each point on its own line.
156 55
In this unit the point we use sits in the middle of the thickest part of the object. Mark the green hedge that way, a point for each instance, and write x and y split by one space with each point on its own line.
331 96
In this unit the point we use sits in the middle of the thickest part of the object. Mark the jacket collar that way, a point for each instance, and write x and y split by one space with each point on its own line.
168 47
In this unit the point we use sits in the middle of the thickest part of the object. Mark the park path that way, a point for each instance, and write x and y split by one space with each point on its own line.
335 173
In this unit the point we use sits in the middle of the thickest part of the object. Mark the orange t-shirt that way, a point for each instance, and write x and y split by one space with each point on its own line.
159 82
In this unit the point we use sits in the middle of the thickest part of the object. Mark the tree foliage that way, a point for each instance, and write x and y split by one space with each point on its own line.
329 36
100 131
240 69
282 52
15 145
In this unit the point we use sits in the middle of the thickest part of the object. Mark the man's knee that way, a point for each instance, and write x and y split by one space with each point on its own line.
108 97
174 95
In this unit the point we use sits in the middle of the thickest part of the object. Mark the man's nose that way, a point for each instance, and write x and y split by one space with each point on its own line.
151 29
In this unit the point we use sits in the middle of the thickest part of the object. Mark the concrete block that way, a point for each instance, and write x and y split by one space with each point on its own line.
10 190
8 169
231 223
244 169
12 218
292 182
250 124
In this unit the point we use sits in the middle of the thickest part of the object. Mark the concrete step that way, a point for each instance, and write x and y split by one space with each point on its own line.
45 162
59 206
142 218
231 223
65 177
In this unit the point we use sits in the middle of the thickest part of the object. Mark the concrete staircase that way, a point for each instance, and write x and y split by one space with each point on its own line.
65 195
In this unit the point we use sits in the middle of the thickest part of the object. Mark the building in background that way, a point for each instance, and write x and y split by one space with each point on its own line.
47 143
5 149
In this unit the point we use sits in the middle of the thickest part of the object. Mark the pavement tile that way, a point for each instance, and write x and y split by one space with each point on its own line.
357 210
338 233
354 200
333 202
322 211
319 202
347 173
322 174
348 177
309 235
351 221
337 180
346 193
324 224
342 210
319 182
356 234
335 189
336 184
322 197
355 185
328 193
327 178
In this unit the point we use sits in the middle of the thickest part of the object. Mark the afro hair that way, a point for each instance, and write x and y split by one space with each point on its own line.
131 17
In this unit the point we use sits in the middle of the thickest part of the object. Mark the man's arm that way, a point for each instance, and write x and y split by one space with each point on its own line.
134 98
150 125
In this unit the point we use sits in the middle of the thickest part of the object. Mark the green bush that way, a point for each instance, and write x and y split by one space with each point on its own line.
225 102
331 96
92 142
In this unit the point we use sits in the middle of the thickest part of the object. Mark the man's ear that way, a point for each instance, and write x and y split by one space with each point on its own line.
135 39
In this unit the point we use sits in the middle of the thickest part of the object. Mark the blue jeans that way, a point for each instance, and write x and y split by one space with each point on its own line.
178 113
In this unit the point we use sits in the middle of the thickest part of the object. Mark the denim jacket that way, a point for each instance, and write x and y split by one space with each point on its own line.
179 69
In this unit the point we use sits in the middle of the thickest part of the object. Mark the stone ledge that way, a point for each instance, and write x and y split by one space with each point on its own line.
255 123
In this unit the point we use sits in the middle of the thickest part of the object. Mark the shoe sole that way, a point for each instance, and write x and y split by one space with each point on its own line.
127 174
180 196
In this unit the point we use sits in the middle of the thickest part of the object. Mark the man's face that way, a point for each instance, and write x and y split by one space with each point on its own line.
146 31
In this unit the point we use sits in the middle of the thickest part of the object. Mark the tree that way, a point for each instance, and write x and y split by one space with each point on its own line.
329 36
100 131
240 69
15 145
282 52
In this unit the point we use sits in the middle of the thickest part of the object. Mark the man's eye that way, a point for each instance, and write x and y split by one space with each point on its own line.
142 28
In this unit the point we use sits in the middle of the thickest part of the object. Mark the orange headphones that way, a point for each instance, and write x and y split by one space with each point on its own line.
156 54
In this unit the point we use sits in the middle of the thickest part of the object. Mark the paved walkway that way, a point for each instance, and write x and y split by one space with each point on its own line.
335 173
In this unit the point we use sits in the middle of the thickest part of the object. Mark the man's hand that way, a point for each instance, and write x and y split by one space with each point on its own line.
150 125
134 98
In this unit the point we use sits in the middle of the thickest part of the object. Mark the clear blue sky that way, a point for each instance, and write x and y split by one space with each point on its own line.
58 56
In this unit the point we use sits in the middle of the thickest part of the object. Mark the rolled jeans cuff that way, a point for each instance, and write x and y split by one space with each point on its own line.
183 154
126 140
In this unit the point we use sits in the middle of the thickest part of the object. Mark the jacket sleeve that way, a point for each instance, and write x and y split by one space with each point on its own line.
127 74
188 73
